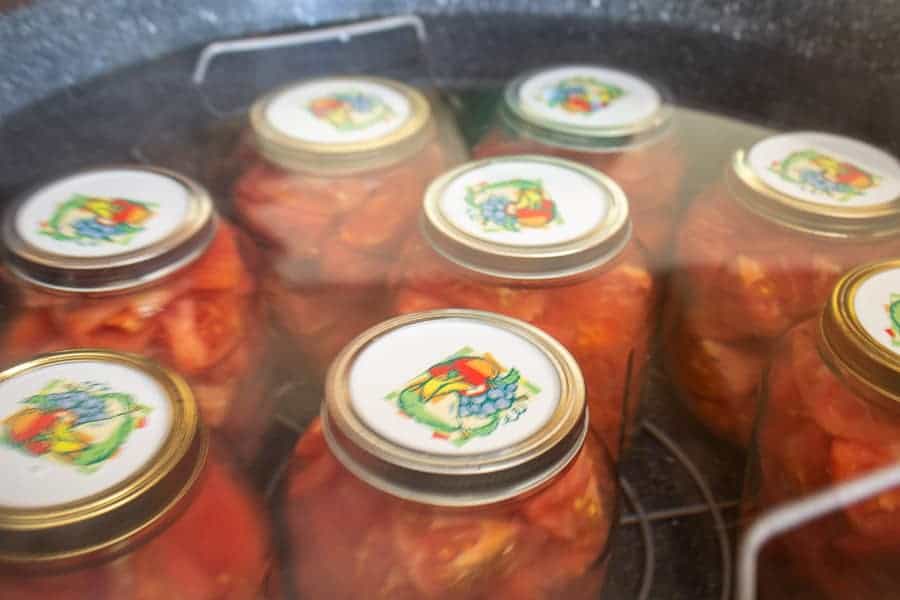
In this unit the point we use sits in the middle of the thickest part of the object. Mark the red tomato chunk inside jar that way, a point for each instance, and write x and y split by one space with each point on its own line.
821 429
597 297
136 259
203 321
216 550
605 320
352 540
751 265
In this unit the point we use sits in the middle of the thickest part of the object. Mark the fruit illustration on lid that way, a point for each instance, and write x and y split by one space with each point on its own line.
91 220
351 110
823 174
584 95
465 396
893 311
511 205
82 424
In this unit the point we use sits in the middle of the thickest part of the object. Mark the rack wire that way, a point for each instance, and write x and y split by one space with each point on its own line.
639 555
792 515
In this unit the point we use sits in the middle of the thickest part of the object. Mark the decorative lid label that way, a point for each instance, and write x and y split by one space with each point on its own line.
474 388
826 169
511 205
877 308
71 430
338 111
584 96
102 213
524 202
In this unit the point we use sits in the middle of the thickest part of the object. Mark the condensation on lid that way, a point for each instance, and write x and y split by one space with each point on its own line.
586 108
527 216
454 407
341 125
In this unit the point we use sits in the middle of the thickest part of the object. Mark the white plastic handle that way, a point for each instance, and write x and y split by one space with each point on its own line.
342 33
794 514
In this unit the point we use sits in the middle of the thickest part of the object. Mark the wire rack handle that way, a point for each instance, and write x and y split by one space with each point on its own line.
794 514
342 33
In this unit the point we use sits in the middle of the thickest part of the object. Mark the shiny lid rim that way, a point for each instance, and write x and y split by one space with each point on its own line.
849 347
597 139
84 529
112 273
465 480
343 157
565 259
808 217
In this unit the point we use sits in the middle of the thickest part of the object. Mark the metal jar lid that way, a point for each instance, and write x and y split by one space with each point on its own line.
341 125
107 229
455 407
96 449
586 107
819 183
860 328
526 217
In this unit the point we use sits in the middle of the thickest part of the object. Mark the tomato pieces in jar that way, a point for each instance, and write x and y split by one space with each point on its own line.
151 270
159 512
195 558
601 306
203 321
830 416
605 320
333 202
755 254
537 547
476 478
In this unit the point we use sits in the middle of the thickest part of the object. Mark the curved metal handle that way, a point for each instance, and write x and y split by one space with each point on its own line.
342 33
794 514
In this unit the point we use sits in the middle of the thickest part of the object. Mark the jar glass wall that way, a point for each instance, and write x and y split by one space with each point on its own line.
830 415
135 259
332 202
605 119
756 256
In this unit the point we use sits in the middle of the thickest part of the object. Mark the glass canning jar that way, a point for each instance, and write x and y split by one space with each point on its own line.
759 251
113 491
830 413
615 122
452 459
136 259
331 181
547 241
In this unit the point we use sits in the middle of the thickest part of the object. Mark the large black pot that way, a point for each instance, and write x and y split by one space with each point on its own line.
77 89
823 63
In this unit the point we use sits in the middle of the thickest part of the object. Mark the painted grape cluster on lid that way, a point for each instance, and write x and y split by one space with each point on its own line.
826 169
71 428
473 387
